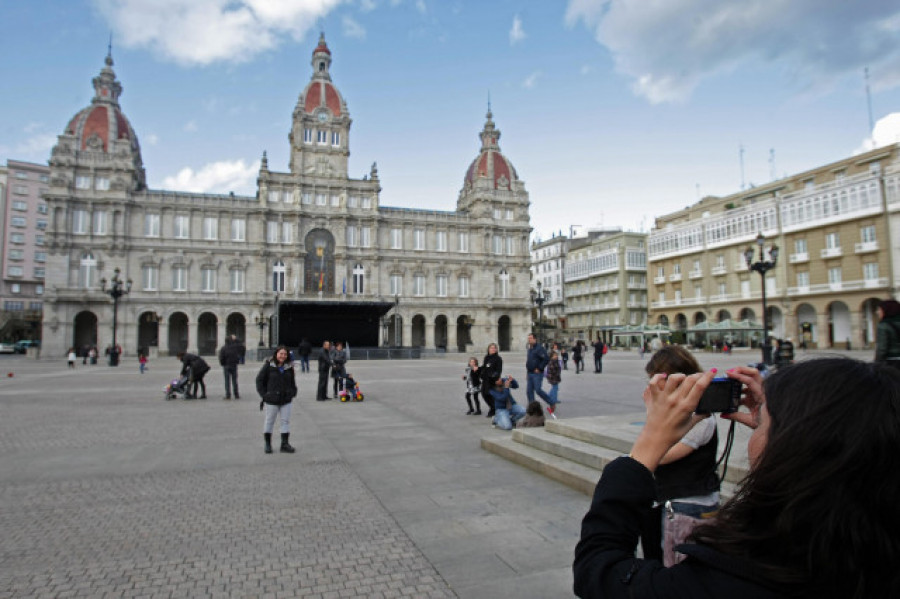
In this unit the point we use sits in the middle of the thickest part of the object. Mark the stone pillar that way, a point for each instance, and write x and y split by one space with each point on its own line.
856 332
193 347
822 341
220 334
452 340
429 335
163 337
406 341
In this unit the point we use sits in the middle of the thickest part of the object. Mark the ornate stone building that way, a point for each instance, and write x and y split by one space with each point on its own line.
314 254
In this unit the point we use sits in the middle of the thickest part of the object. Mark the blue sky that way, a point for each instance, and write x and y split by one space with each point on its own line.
613 112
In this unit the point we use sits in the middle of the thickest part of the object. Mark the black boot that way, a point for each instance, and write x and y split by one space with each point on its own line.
477 406
469 401
285 446
268 438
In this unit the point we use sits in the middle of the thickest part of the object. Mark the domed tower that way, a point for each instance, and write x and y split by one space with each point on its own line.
491 182
321 124
99 145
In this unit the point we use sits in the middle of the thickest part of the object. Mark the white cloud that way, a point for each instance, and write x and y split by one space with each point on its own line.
516 34
353 28
668 48
531 80
216 177
885 133
199 32
190 126
151 139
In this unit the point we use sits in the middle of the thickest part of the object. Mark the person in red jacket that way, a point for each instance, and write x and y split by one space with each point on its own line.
816 517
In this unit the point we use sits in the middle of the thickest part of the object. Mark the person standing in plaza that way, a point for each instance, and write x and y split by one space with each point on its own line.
599 350
229 357
338 360
303 351
142 361
72 356
535 363
324 367
578 356
473 386
554 377
491 368
277 387
887 335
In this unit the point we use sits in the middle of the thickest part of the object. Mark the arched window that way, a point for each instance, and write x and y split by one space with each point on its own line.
359 274
504 283
87 271
278 273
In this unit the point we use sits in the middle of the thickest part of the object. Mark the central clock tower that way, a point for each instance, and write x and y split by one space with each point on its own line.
320 133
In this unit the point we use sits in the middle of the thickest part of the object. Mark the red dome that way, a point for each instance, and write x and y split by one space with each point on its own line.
322 93
491 163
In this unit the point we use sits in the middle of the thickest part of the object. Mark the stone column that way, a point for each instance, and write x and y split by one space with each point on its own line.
429 335
193 347
452 340
822 341
220 334
163 337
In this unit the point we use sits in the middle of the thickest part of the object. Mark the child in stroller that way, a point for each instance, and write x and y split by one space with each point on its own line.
349 389
178 388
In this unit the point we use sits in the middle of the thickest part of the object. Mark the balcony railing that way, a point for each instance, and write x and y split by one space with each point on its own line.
675 276
841 286
659 280
719 270
798 257
696 274
866 246
832 252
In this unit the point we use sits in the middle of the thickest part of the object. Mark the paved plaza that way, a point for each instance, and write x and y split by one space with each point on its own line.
107 490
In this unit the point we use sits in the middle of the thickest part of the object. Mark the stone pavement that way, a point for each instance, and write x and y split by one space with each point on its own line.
107 490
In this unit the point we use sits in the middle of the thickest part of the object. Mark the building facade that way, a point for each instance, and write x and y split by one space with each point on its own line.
548 262
312 255
836 228
24 258
605 284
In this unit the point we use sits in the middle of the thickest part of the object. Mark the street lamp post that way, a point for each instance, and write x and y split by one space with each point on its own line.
762 266
538 298
117 288
261 323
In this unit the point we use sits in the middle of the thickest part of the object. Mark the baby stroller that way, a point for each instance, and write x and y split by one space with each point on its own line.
177 388
348 389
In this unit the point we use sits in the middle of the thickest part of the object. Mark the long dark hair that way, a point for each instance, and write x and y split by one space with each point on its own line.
671 359
818 512
287 360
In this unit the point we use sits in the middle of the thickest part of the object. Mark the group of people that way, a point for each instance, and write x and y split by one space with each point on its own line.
194 369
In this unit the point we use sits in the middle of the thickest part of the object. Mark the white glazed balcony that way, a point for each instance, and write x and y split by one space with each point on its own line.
866 246
719 270
798 257
832 252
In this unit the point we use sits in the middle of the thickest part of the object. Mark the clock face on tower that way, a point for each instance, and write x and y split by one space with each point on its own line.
322 116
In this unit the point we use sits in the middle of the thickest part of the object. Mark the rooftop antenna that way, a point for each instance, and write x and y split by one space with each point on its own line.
772 173
869 101
741 156
489 100
109 47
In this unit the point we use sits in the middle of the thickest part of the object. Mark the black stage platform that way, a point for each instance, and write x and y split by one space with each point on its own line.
356 323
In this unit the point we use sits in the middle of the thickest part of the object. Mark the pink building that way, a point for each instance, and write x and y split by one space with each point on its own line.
24 255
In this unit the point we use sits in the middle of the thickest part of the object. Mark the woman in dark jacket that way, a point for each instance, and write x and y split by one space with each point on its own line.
276 385
816 516
887 340
195 368
491 369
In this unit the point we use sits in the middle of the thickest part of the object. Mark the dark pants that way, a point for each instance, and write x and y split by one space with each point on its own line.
322 391
231 381
198 381
304 363
598 362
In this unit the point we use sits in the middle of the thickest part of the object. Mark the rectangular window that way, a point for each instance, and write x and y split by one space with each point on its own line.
151 225
321 200
834 275
42 257
745 288
21 175
464 286
440 241
210 228
42 208
102 184
870 271
464 243
867 234
179 278
182 226
419 285
352 201
396 239
208 280
237 280
802 279
698 291
497 244
272 232
833 241
723 291
419 239
660 271
16 254
39 289
15 271
307 136
274 195
366 203
497 213
287 197
335 138
322 137
41 224
15 288
20 205
510 246
351 236
306 198
100 222
509 214
335 201
150 278
800 246
287 233
80 222
17 221
38 240
396 284
441 285
238 229
82 182
365 237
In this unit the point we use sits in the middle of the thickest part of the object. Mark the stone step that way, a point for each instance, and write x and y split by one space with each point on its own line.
579 477
580 452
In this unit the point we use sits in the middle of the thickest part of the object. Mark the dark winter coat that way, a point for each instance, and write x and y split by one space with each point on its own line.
887 339
231 353
324 362
554 372
537 358
605 565
276 384
194 365
304 349
491 368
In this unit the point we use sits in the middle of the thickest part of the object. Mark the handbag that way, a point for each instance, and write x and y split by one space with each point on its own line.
676 528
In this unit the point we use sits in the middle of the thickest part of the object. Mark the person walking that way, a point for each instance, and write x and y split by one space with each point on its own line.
277 387
599 350
578 356
473 386
491 368
887 334
324 367
535 363
303 351
229 357
142 361
71 357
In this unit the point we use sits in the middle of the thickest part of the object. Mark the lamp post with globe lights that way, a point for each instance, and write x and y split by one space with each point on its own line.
539 298
762 266
117 288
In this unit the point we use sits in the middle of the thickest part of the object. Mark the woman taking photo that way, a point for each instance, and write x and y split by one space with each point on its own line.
816 517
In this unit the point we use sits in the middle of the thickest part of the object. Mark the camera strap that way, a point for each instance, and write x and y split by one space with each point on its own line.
726 453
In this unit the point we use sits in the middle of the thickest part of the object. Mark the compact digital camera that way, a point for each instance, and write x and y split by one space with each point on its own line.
722 396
